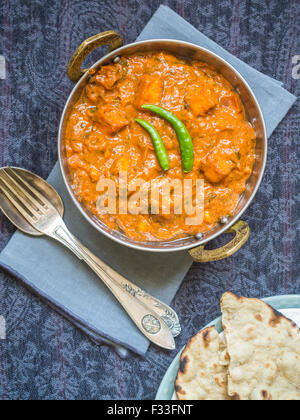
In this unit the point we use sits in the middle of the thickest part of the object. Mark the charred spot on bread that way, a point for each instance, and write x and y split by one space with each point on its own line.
179 390
266 396
183 364
205 336
278 316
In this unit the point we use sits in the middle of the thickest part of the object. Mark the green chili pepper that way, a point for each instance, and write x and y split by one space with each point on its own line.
159 146
184 138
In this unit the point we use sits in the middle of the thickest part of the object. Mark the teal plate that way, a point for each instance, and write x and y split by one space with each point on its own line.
166 389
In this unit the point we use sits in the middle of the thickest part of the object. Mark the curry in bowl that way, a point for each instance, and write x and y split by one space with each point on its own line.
103 138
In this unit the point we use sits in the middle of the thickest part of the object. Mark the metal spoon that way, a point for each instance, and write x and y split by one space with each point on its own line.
35 208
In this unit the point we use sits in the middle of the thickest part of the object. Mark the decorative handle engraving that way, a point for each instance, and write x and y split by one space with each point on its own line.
151 324
164 311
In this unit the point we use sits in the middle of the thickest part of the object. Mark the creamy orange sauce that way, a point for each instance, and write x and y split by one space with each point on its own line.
103 139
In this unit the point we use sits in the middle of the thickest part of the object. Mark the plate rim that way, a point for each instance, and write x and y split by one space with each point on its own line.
278 302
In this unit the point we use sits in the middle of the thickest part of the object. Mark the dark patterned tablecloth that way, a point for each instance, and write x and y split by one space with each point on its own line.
45 357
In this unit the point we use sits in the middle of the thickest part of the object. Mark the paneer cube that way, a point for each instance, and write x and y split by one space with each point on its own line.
108 76
201 99
114 118
95 93
150 91
219 164
231 101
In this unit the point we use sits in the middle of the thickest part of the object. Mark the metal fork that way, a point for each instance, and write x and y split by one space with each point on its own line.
44 217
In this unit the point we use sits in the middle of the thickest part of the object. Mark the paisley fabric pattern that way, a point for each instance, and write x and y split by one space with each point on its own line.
45 357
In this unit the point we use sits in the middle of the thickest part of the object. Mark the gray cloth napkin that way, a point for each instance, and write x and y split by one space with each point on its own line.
67 284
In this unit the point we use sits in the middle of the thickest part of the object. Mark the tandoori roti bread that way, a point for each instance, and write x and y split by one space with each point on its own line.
263 348
201 375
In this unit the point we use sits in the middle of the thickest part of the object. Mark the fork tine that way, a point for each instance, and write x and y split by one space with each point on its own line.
10 189
22 196
18 204
18 185
31 188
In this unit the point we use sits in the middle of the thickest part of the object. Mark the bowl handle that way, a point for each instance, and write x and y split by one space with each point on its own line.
242 233
111 38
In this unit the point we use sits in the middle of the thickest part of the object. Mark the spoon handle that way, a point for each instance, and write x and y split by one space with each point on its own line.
145 318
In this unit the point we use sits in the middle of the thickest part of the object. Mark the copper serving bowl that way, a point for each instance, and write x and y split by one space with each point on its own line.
195 245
